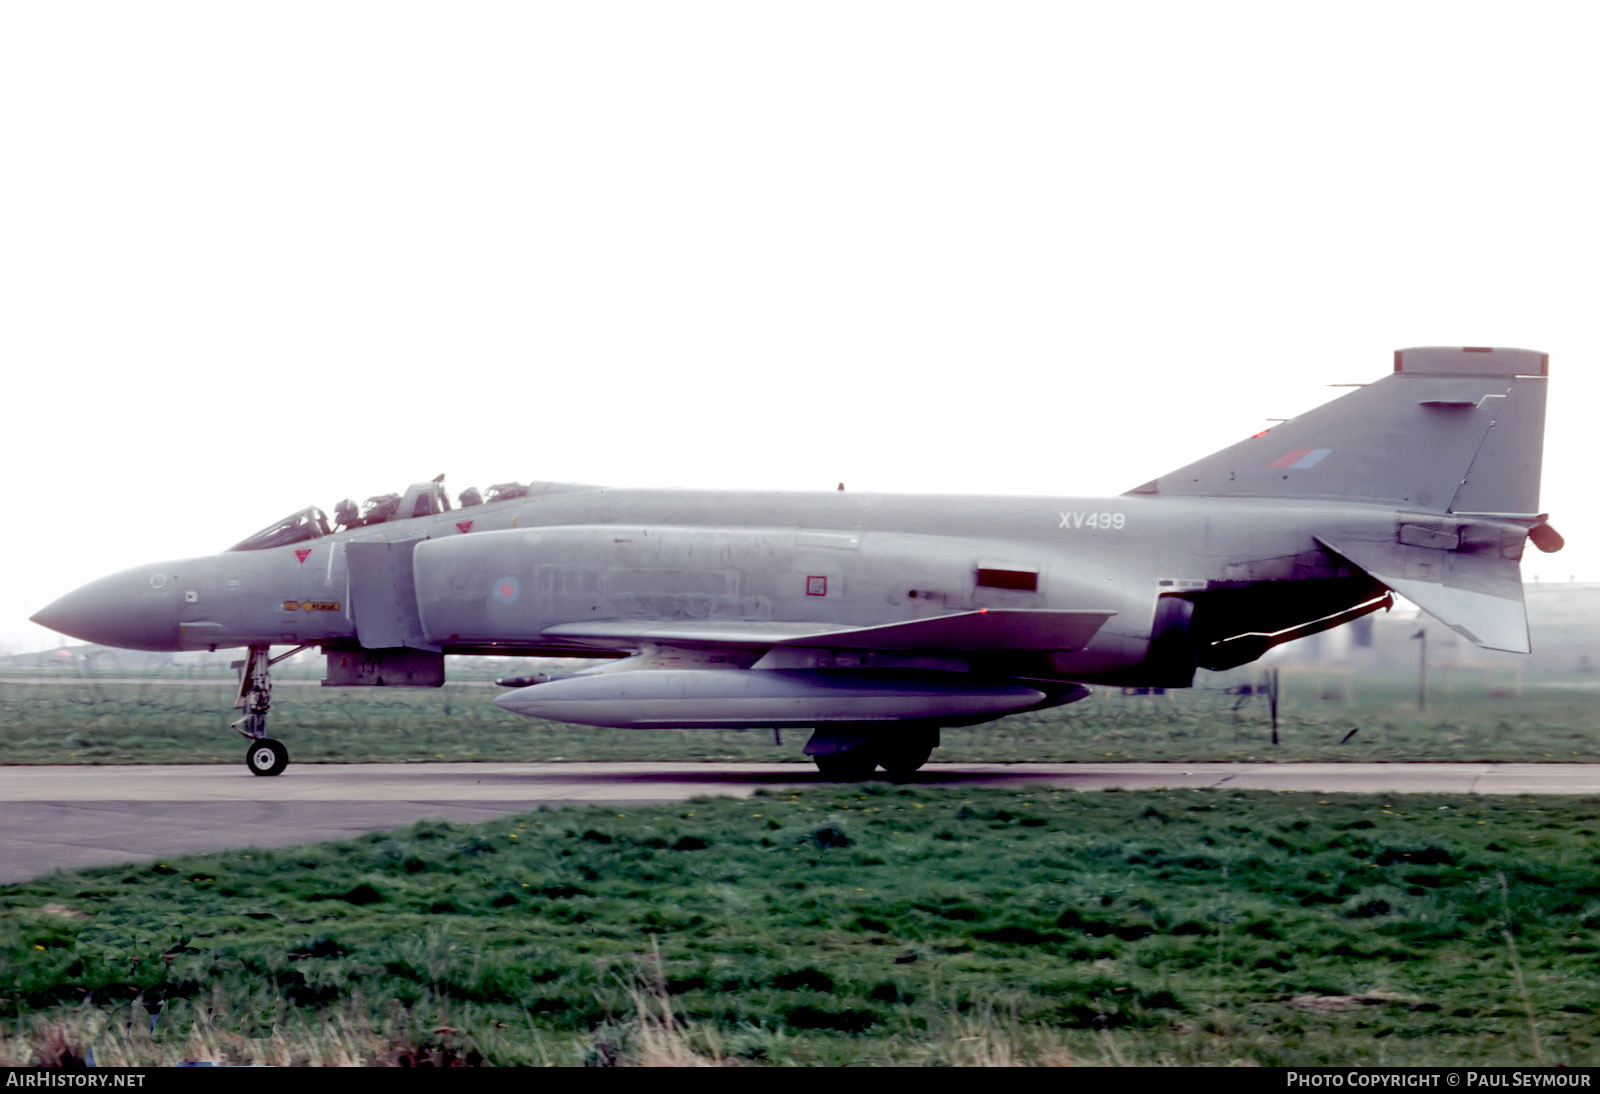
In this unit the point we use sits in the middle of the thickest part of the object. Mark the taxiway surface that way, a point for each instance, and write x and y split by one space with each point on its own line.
65 817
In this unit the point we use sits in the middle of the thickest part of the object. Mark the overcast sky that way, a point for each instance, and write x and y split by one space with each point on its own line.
260 256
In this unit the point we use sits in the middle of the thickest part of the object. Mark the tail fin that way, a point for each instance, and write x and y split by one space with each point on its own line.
1451 430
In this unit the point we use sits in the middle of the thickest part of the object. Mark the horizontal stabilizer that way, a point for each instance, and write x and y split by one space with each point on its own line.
988 629
1476 594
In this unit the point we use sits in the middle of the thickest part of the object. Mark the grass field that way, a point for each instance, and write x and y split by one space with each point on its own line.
183 719
876 924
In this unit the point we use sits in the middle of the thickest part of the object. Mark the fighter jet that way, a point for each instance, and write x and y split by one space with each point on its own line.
874 620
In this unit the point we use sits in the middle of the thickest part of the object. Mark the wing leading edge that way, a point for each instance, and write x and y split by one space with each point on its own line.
985 629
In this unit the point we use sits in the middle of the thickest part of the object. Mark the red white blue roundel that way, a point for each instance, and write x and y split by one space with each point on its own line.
506 590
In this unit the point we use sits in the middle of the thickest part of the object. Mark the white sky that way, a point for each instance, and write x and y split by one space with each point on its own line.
256 256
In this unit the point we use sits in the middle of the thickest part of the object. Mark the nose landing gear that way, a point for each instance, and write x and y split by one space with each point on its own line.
264 756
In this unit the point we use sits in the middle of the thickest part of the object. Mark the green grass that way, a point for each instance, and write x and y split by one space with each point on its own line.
179 719
866 925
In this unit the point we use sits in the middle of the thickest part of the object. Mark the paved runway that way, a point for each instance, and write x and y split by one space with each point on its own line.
70 816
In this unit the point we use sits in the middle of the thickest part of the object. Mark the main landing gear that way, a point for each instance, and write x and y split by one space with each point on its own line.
265 756
900 752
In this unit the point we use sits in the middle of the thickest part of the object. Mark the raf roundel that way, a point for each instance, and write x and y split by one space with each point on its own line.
506 590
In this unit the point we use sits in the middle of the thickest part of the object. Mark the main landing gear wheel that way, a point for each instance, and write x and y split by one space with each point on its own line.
902 758
856 763
266 757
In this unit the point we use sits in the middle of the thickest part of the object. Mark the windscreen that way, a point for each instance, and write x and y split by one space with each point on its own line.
295 528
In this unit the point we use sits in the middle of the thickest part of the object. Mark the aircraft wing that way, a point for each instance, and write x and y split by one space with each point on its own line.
985 629
1478 594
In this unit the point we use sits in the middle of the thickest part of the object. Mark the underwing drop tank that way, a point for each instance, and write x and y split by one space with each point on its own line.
691 699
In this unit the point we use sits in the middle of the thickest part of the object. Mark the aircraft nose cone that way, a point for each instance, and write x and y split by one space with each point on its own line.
135 610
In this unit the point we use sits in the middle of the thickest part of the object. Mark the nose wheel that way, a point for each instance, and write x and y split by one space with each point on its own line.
266 756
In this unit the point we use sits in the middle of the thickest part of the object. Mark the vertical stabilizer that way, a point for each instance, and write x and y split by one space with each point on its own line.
1453 429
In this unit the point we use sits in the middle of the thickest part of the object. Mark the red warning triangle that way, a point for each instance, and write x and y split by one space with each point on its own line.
463 526
302 553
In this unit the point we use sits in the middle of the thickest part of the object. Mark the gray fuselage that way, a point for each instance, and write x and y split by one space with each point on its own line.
584 554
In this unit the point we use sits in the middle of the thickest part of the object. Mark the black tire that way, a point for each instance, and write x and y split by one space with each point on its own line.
266 757
902 758
857 763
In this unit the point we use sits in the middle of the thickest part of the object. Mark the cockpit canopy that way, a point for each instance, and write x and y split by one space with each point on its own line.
382 507
422 499
298 527
505 491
